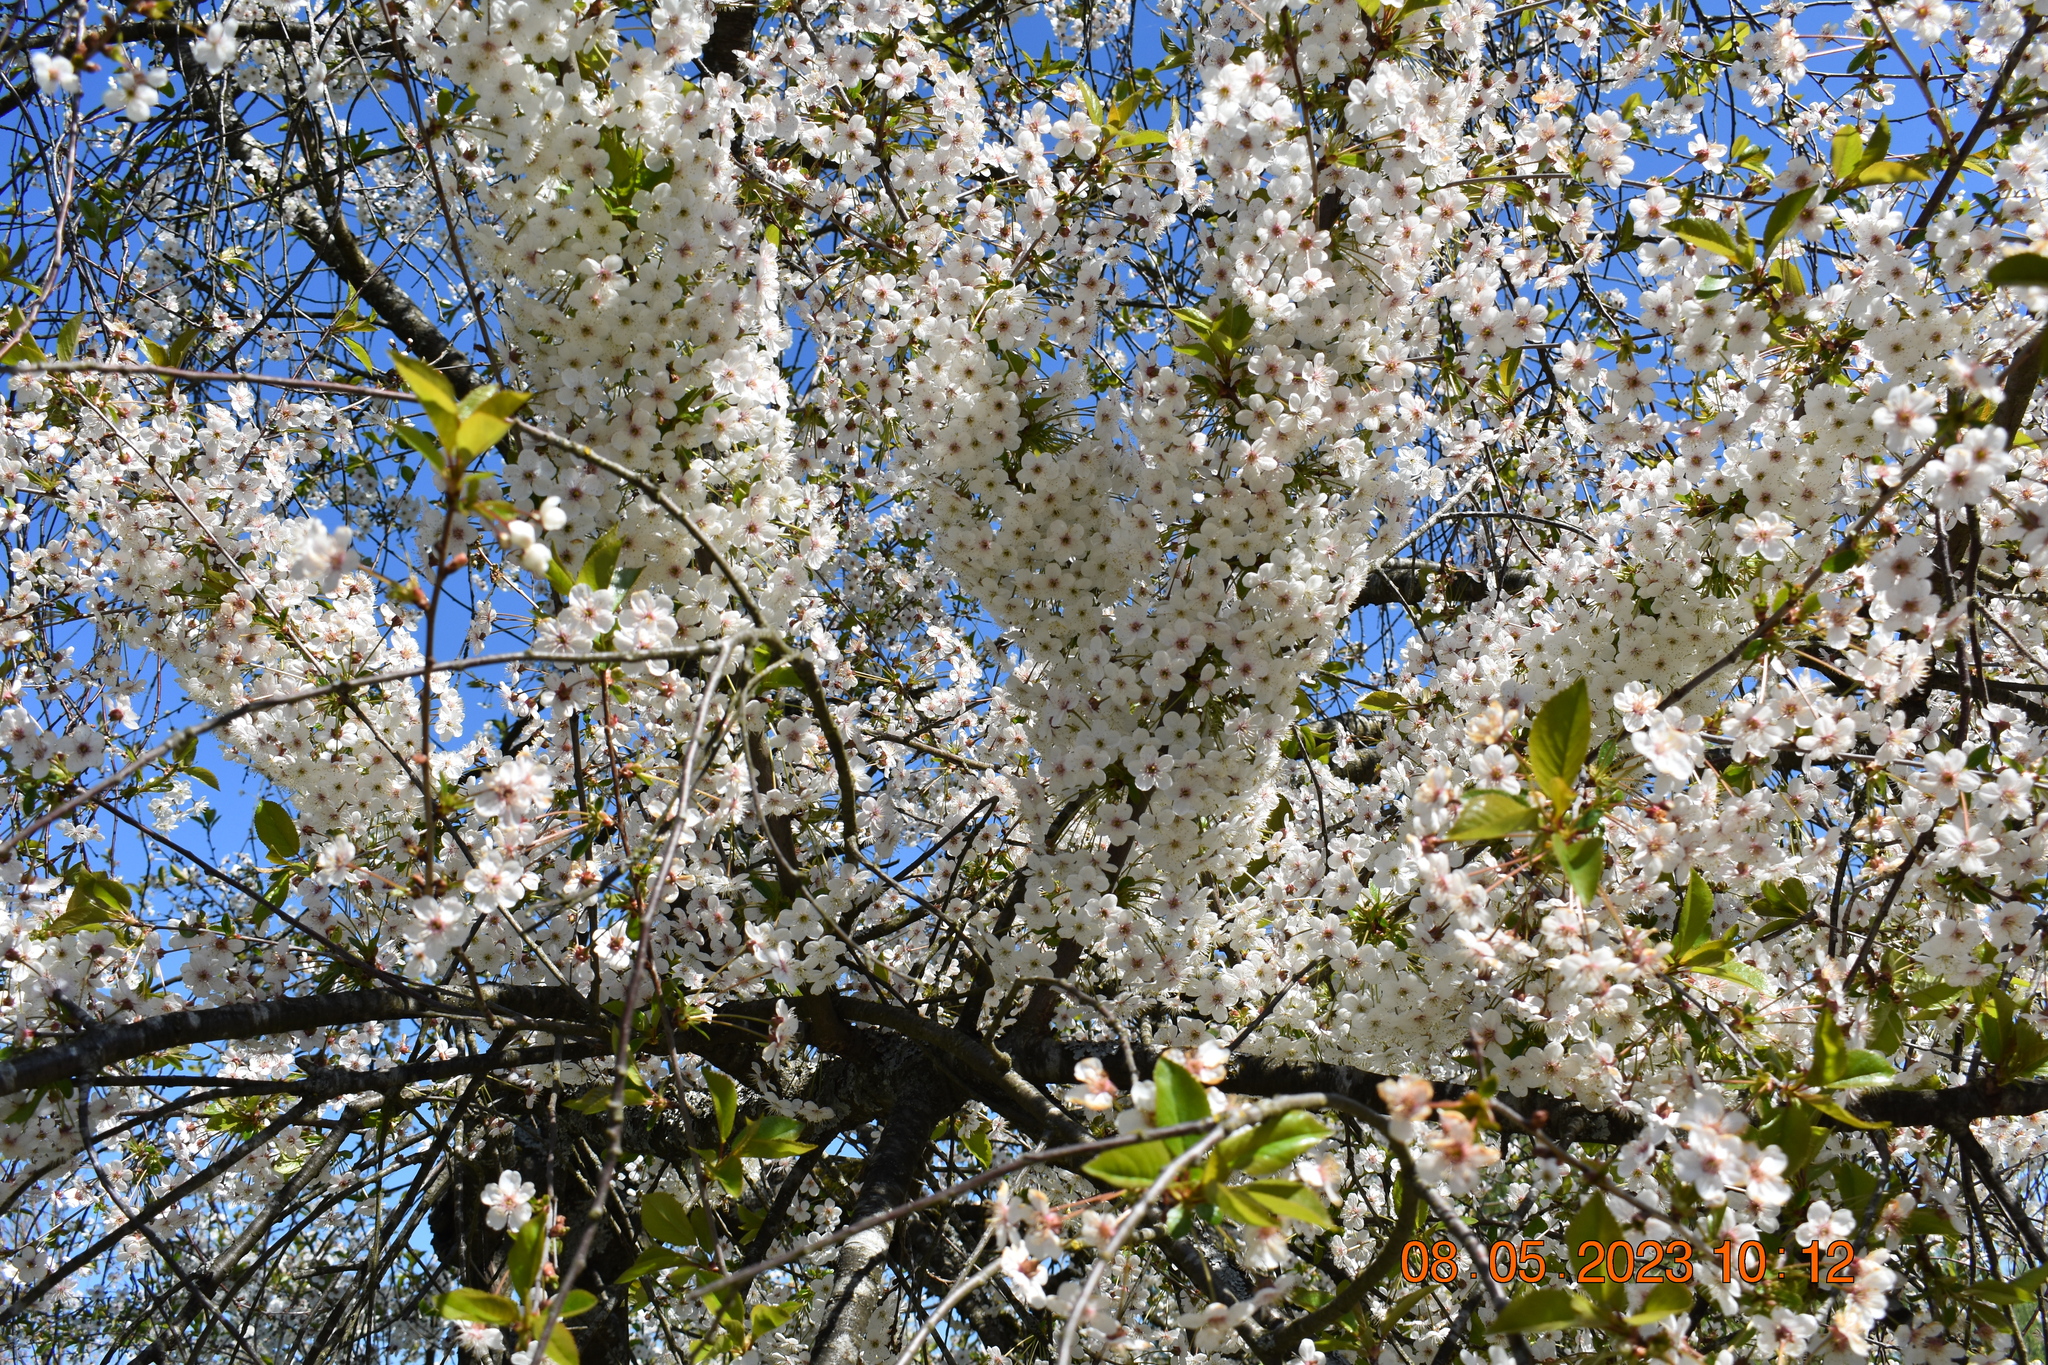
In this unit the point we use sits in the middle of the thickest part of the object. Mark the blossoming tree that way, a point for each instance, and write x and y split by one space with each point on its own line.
781 684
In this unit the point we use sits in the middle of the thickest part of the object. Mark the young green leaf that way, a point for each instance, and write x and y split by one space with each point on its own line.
278 831
2016 271
1594 1222
1846 153
522 1265
1582 862
1177 1098
1784 216
483 417
474 1305
764 1318
770 1137
1291 1199
1711 236
725 1101
1884 173
601 561
562 1347
1666 1299
667 1220
95 900
1272 1145
1491 815
435 394
651 1260
1558 739
1830 1051
1133 1167
1233 1203
1694 917
1536 1311
1741 973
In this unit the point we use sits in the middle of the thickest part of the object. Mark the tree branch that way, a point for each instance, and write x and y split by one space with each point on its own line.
888 1179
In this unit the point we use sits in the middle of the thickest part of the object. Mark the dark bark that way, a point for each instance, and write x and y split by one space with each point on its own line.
889 1178
732 37
324 230
1405 582
563 1144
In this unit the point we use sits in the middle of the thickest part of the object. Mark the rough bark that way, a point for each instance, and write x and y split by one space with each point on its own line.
889 1178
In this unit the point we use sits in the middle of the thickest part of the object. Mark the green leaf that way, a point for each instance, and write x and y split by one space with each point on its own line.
1291 1199
978 1143
95 900
1274 1143
1177 1098
1240 1207
651 1260
562 1347
766 1317
1536 1311
1840 1115
67 338
725 1101
483 416
1582 863
1856 549
1696 915
667 1220
474 1305
598 1100
421 444
1784 216
1487 814
1383 701
1846 153
730 1175
1711 236
1830 1051
278 831
1133 1167
1664 1300
1884 173
522 1265
769 1137
435 394
2023 269
1929 1222
1741 973
602 559
1863 1068
1791 1131
1558 740
577 1302
1594 1222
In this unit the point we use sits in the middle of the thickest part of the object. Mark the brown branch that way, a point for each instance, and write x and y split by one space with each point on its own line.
327 233
888 1180
82 1055
1404 582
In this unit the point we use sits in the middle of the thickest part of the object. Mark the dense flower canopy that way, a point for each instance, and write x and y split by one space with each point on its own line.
674 673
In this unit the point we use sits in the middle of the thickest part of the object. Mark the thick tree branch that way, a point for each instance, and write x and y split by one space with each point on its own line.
1405 582
81 1056
889 1179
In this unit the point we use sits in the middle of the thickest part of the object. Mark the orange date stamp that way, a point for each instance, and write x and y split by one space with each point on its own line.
1621 1262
